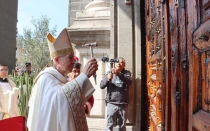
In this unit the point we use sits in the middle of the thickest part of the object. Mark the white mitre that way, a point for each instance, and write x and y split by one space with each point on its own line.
60 46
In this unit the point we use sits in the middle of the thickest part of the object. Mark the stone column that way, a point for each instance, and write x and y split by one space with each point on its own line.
8 30
138 62
122 42
92 24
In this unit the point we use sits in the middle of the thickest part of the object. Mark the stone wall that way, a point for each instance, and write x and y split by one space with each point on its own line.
74 7
125 41
8 28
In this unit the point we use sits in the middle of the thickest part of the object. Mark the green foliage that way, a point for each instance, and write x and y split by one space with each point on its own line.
24 83
32 45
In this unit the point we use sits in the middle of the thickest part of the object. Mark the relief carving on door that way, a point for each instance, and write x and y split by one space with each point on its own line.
155 65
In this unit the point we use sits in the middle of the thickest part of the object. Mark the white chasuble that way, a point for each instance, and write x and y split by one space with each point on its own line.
58 105
9 99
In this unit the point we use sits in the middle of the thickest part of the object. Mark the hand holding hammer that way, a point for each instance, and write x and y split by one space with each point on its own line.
91 53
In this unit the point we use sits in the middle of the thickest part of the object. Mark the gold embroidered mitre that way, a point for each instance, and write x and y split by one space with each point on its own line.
60 46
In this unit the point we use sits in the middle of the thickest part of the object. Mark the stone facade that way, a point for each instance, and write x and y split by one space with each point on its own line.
8 29
92 25
74 7
117 34
125 39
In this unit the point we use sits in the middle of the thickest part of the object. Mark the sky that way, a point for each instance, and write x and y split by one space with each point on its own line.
56 10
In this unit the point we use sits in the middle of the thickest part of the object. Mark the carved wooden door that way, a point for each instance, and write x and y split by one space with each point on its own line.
167 65
199 65
157 51
178 64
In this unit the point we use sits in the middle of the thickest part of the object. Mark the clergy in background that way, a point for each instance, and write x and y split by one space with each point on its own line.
8 95
56 104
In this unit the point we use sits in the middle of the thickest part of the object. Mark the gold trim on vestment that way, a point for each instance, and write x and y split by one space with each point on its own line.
73 94
61 52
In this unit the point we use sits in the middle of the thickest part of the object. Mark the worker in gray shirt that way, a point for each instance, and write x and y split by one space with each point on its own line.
117 82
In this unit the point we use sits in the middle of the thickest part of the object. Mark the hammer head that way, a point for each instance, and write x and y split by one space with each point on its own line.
89 44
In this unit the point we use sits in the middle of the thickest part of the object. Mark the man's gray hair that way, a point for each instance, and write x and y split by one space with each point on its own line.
121 59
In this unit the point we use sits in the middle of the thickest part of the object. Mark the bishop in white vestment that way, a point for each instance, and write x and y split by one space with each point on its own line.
55 103
58 105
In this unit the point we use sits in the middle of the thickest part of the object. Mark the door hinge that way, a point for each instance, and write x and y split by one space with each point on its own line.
177 93
179 3
182 4
207 60
173 58
184 62
164 75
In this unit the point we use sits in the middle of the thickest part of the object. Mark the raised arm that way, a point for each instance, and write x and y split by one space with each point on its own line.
105 82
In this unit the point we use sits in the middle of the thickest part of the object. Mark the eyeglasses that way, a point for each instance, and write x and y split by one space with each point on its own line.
6 70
